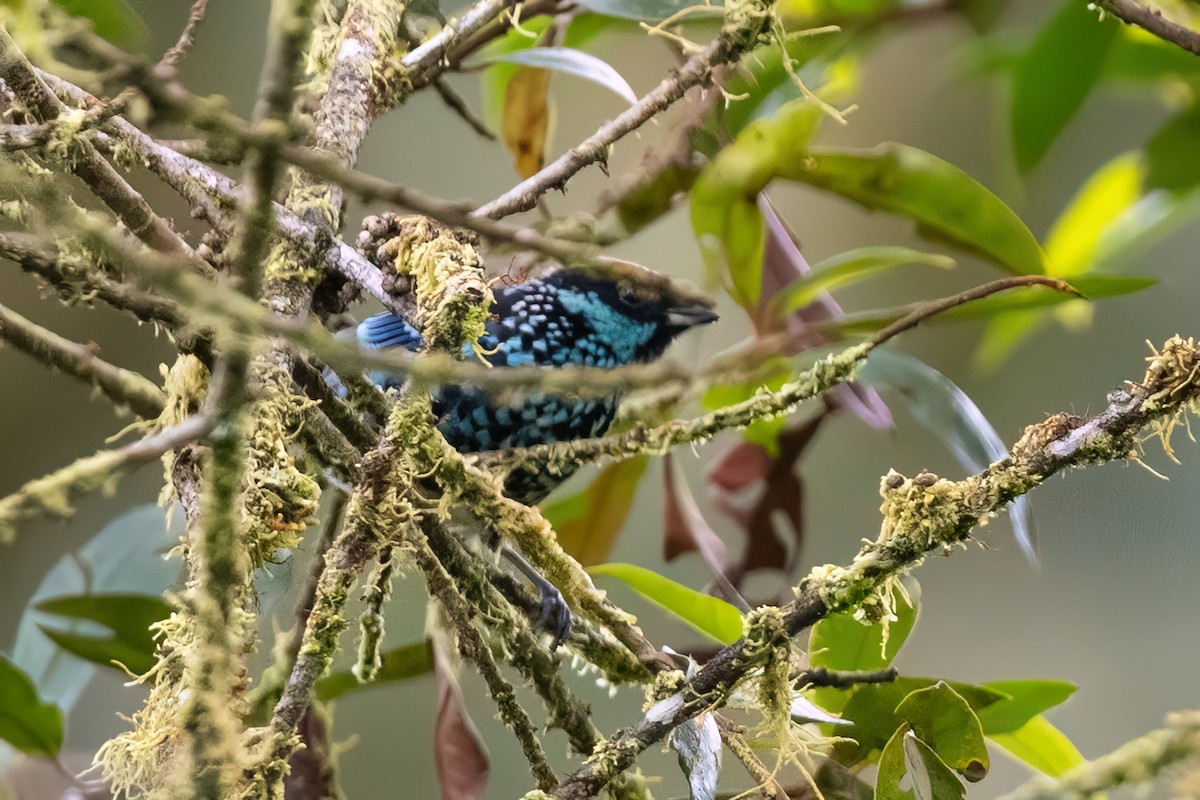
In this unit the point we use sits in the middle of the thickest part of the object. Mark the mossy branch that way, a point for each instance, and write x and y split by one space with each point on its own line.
924 515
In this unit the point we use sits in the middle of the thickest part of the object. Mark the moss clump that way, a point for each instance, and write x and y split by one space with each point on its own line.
280 498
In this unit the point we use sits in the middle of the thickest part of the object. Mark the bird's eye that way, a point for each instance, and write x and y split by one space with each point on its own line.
627 294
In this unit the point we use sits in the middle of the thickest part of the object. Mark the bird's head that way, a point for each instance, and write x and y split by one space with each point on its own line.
631 308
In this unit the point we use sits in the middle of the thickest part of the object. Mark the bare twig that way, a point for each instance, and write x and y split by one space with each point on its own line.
729 46
1152 20
53 493
122 386
177 51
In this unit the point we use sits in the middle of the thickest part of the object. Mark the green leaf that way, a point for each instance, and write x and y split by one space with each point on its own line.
945 202
114 20
1026 699
572 62
127 616
943 719
1042 746
1073 240
931 777
840 642
588 522
28 724
1172 153
891 768
849 267
398 664
1052 79
872 710
495 79
725 217
710 615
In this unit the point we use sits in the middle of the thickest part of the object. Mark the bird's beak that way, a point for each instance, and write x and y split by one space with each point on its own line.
691 313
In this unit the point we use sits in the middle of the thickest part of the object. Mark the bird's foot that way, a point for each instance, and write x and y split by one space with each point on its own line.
554 616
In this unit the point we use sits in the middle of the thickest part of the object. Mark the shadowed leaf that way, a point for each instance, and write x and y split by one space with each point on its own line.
1052 79
840 642
127 616
588 522
398 664
114 20
649 10
28 724
459 752
942 719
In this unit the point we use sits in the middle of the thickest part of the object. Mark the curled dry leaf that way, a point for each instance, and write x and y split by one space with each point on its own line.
459 753
526 120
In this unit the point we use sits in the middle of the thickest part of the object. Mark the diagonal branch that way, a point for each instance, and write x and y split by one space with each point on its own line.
122 386
922 515
1132 12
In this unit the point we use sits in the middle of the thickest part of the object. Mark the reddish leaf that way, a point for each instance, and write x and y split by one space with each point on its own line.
685 530
782 263
751 487
459 753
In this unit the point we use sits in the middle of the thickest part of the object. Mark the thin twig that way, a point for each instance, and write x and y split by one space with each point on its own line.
727 47
122 386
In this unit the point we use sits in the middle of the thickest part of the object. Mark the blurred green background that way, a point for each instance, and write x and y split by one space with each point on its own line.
1113 607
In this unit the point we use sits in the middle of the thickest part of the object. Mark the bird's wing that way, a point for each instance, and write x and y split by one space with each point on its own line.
387 331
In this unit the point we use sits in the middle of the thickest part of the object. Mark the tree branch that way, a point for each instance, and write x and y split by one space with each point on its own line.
1132 12
922 515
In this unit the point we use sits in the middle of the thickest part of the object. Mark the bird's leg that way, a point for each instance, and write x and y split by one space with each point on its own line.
555 616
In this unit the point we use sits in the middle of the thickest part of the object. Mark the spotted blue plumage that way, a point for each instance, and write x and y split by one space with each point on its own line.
606 317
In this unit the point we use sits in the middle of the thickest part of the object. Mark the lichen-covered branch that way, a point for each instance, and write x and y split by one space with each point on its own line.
124 387
1139 761
924 515
53 493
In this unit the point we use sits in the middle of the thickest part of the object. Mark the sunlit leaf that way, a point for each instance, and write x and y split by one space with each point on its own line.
128 617
1052 79
525 124
397 664
1042 746
28 724
710 615
840 642
945 202
942 719
115 20
1139 56
572 62
1110 191
698 743
1026 699
949 414
587 523
847 268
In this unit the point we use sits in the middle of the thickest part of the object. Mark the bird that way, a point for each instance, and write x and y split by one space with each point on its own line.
604 315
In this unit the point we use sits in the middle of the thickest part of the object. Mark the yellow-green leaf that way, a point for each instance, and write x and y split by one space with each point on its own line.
710 615
850 267
1042 746
525 123
944 720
